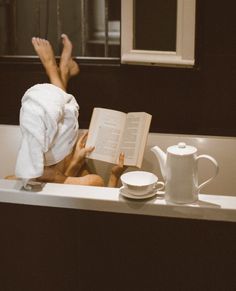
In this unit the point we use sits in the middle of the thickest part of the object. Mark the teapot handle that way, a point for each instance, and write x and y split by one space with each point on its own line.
214 162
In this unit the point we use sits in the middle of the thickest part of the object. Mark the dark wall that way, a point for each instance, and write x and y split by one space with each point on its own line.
52 249
196 101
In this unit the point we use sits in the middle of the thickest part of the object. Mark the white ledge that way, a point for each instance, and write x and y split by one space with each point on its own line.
209 207
135 57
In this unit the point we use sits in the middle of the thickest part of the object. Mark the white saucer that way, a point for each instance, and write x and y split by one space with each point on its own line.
132 196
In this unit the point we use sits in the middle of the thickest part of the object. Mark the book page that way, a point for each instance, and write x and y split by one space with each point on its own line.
105 132
135 137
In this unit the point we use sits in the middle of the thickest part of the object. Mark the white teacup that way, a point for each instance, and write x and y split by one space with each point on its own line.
141 182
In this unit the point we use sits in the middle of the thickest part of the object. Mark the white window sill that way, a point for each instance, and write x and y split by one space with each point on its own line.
155 59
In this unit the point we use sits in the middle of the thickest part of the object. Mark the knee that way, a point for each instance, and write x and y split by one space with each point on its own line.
87 180
96 180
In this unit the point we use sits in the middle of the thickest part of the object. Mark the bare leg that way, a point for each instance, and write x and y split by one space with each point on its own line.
88 180
64 171
68 67
67 170
45 52
52 174
11 177
75 162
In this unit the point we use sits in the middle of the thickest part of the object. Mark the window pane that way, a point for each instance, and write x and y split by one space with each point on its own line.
155 25
92 25
103 28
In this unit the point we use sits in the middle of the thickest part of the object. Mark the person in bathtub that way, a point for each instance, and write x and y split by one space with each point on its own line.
51 150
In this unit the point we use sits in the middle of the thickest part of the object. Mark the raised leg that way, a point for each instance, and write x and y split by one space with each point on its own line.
58 76
45 52
68 67
67 170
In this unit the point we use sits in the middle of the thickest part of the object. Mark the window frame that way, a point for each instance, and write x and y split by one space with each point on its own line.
185 38
25 57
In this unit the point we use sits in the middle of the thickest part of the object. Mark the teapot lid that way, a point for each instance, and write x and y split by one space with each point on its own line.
181 149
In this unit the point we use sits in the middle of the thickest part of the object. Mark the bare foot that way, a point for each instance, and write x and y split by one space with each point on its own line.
11 177
68 66
45 52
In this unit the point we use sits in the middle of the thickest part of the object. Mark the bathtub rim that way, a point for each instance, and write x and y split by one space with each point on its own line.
209 207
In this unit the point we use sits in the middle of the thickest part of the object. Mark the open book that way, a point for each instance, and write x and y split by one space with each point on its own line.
113 132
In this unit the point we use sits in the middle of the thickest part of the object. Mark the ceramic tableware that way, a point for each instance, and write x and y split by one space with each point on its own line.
179 167
140 183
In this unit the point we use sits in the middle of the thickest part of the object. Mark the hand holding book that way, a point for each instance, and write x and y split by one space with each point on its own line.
113 132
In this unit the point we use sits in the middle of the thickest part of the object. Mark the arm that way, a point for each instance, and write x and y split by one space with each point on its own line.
117 171
78 156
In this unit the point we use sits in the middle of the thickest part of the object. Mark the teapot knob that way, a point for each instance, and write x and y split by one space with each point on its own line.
181 145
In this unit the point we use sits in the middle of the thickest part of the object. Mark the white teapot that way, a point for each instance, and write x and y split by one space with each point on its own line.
179 168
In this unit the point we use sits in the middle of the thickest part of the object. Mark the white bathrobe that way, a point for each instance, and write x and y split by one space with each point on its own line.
49 126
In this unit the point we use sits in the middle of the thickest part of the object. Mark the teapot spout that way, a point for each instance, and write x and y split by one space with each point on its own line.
161 156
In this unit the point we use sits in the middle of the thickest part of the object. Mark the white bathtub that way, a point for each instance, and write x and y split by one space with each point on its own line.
216 202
